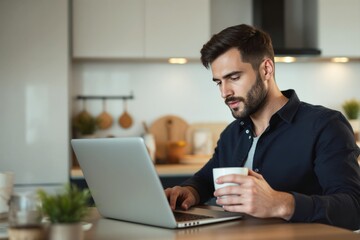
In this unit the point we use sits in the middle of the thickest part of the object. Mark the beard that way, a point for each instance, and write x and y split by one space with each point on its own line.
255 100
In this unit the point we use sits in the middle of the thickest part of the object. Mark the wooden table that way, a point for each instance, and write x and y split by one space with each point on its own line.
247 228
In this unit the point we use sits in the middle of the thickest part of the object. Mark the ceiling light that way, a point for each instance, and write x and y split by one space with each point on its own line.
177 60
340 59
285 59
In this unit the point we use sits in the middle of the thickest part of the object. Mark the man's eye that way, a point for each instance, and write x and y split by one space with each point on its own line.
235 77
218 83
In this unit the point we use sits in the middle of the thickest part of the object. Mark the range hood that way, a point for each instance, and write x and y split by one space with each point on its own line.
292 25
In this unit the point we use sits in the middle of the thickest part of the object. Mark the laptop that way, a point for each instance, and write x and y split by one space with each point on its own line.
125 185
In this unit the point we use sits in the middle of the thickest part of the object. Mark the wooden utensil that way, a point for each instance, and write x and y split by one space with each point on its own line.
125 120
167 129
104 120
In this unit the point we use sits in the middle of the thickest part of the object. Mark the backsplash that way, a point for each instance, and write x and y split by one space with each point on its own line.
188 91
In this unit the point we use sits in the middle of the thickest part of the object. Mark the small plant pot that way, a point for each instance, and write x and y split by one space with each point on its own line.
68 231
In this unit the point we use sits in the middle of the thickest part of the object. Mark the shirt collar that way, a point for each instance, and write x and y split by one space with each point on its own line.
287 112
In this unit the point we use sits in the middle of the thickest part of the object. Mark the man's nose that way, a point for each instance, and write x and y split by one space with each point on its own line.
226 90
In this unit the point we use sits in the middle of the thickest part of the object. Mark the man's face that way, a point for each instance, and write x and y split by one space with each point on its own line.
242 88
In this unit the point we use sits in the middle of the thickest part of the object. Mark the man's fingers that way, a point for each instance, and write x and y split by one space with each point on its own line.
173 199
173 196
185 205
231 178
183 196
167 192
254 174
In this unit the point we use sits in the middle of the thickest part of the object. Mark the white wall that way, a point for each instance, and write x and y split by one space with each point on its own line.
328 84
188 91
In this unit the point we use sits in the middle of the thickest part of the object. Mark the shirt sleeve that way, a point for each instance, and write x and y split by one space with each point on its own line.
202 180
338 173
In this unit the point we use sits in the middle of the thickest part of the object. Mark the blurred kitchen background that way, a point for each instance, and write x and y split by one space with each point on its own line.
58 58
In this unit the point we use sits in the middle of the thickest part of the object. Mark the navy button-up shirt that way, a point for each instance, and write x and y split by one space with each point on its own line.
308 151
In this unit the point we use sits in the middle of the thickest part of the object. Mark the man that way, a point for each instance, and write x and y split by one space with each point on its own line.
303 157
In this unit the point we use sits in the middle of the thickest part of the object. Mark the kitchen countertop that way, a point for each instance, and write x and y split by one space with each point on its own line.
164 170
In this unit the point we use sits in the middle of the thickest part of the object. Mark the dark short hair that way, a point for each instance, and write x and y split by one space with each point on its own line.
253 44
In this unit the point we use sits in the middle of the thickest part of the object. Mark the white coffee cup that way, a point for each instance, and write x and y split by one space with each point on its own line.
6 189
218 172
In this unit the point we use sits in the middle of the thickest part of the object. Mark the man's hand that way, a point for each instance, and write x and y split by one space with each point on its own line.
186 197
254 196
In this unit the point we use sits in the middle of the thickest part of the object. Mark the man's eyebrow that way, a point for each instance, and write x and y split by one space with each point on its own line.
226 76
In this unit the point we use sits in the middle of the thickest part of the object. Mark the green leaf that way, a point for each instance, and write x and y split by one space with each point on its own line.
351 108
67 207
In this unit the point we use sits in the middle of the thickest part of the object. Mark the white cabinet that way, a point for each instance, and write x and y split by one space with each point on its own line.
339 31
34 91
176 28
139 28
108 28
230 13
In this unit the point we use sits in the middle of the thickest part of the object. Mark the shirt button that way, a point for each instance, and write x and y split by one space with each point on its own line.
241 123
256 170
247 131
249 137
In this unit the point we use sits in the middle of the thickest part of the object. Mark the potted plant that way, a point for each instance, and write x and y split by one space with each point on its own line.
65 211
85 124
351 108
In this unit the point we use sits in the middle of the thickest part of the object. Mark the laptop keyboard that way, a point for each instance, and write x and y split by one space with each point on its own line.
184 217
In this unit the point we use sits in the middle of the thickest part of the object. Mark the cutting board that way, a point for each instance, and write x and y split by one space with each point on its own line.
166 129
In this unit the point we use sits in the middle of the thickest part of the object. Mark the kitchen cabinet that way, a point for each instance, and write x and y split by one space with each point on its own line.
176 28
139 28
338 30
230 13
108 28
34 92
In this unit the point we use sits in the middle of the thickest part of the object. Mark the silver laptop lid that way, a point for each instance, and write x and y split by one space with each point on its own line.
123 180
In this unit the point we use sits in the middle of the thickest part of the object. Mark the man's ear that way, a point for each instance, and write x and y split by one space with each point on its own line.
268 68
